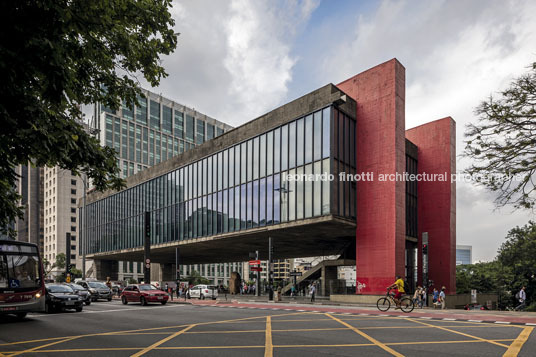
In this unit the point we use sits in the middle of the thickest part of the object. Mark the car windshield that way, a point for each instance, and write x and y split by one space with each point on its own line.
77 287
59 289
147 287
95 284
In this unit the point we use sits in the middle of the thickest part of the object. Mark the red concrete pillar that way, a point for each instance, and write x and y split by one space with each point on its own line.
436 211
381 216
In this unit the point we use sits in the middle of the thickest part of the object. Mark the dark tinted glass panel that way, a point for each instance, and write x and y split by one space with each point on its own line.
300 141
167 121
155 115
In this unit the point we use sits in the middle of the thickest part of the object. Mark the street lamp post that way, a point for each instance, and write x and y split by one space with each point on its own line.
83 231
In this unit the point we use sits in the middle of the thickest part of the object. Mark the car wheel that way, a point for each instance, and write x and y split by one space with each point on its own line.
88 302
48 308
110 298
163 302
21 315
143 302
202 297
124 300
79 309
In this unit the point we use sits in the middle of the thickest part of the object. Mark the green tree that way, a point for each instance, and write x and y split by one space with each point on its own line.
56 55
502 144
195 279
514 267
60 261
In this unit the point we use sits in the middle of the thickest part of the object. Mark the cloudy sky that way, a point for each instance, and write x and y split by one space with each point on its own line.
238 59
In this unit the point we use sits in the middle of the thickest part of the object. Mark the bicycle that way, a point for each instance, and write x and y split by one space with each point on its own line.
384 303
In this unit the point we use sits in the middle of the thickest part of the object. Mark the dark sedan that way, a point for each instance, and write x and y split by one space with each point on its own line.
81 291
61 297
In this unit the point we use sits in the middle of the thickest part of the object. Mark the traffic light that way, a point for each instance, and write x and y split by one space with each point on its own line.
425 249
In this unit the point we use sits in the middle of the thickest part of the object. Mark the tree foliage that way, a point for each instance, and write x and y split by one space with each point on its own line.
195 279
56 55
514 267
503 143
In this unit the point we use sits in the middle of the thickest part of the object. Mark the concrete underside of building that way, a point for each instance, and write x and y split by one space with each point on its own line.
321 236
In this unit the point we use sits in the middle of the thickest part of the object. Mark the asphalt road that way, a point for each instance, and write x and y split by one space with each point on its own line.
112 329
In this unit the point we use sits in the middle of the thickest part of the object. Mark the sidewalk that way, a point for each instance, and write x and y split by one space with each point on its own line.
499 317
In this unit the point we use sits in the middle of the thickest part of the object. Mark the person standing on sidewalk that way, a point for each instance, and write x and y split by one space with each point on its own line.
521 296
442 298
313 291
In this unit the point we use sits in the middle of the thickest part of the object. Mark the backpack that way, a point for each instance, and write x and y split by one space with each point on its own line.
517 296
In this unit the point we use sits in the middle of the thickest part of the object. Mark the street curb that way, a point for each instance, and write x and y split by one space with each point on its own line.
321 309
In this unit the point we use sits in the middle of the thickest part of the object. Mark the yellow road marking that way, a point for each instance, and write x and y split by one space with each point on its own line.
269 348
515 347
371 339
42 346
245 319
459 333
258 346
162 341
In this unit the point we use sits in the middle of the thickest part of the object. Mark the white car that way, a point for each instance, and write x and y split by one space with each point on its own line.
203 291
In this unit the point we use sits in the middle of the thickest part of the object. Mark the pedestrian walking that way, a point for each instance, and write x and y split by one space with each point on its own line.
435 296
443 298
521 296
424 298
417 296
313 291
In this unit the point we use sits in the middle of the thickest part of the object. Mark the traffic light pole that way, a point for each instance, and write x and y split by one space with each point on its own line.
147 250
258 282
270 271
67 257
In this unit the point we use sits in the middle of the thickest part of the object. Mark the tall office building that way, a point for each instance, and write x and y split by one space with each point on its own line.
61 192
464 254
30 188
144 136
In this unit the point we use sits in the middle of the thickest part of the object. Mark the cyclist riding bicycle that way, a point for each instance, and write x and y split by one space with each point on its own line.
399 285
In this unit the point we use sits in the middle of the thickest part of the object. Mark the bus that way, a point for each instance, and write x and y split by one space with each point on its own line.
22 285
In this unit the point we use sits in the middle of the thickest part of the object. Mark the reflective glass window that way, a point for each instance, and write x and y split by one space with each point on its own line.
189 128
317 189
237 203
225 169
225 211
243 162
141 111
262 156
128 112
210 131
256 162
326 187
243 200
269 153
308 139
291 190
262 202
284 148
300 132
231 166
231 208
250 160
277 198
269 200
220 170
326 117
200 132
179 125
249 209
167 119
154 115
308 192
299 184
292 145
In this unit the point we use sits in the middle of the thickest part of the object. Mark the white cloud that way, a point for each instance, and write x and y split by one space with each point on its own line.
233 60
456 53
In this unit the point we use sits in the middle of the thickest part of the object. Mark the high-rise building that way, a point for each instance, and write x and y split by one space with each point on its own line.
30 188
144 136
464 254
61 192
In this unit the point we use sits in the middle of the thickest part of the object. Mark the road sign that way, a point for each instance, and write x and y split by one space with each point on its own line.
147 266
254 262
295 273
255 269
148 261
68 278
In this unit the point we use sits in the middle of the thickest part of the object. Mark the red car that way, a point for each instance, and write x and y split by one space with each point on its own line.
143 293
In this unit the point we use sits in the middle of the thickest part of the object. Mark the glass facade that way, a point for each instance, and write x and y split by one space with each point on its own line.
242 187
152 132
